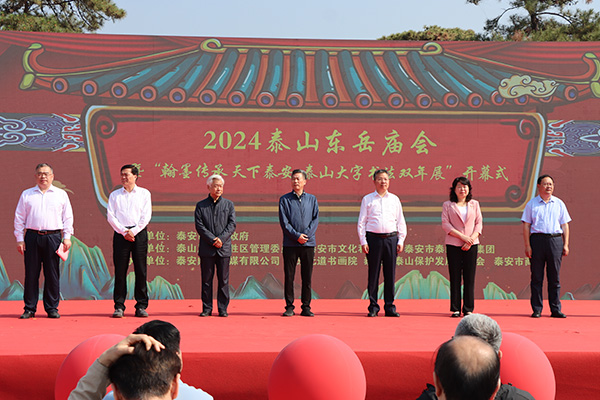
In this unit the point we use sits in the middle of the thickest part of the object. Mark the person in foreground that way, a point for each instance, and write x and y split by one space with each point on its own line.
546 235
169 336
43 223
381 231
139 367
462 222
129 211
215 223
299 219
466 367
485 328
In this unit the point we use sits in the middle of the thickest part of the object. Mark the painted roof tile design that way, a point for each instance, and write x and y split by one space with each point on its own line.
313 78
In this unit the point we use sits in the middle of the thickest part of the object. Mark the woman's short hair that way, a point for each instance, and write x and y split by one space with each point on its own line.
465 181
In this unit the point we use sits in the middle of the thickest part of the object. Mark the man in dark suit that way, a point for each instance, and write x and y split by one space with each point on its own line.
215 223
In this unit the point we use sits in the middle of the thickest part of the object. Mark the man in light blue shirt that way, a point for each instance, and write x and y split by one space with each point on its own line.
546 235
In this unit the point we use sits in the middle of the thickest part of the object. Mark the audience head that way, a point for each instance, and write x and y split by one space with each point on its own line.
164 332
481 326
466 367
146 374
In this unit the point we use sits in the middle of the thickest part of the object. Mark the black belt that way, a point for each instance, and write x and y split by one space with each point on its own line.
547 234
383 235
45 232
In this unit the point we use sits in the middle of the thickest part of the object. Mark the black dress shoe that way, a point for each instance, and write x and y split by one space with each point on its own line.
288 313
53 314
27 315
372 314
536 314
205 313
455 314
558 314
223 314
392 314
307 313
118 313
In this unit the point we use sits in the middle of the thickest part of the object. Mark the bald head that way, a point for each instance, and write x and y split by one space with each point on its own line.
466 367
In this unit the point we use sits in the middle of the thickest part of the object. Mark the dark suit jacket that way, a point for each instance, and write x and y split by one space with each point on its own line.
215 219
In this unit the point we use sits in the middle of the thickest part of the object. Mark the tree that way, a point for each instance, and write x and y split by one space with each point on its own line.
532 20
543 20
57 15
435 33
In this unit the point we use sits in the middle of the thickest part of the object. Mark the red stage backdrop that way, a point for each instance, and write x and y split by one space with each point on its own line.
182 108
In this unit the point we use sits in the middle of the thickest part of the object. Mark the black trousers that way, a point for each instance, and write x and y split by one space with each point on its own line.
461 267
138 251
291 254
382 251
207 267
546 252
41 250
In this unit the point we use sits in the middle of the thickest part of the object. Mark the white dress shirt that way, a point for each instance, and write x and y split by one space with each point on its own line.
381 214
129 209
40 211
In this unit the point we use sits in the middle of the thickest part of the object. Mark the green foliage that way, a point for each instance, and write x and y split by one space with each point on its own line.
543 20
57 15
522 20
435 33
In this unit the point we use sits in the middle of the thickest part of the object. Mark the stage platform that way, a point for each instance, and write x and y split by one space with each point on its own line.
230 358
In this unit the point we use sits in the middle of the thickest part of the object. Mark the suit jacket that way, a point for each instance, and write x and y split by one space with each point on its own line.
452 219
298 216
215 219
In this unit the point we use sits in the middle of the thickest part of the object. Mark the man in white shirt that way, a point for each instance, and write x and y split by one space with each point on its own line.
129 212
381 230
43 219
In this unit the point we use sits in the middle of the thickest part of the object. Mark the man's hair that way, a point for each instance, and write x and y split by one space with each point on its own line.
144 373
164 332
541 178
211 178
380 171
37 167
134 170
481 326
300 171
467 368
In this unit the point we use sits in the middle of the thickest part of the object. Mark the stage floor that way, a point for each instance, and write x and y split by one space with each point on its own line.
396 352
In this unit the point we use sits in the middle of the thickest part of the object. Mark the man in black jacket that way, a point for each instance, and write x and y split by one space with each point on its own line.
483 327
215 223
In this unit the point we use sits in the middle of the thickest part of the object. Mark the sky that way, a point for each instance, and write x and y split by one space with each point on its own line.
303 19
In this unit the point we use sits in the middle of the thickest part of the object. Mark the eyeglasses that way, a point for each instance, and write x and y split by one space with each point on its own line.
46 174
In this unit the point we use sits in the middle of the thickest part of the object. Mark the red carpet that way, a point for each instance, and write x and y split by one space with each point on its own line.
231 357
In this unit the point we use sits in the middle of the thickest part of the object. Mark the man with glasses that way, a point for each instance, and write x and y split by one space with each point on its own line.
381 231
546 235
43 223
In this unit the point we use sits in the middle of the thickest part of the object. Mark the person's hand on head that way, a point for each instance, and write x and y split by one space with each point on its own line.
126 346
